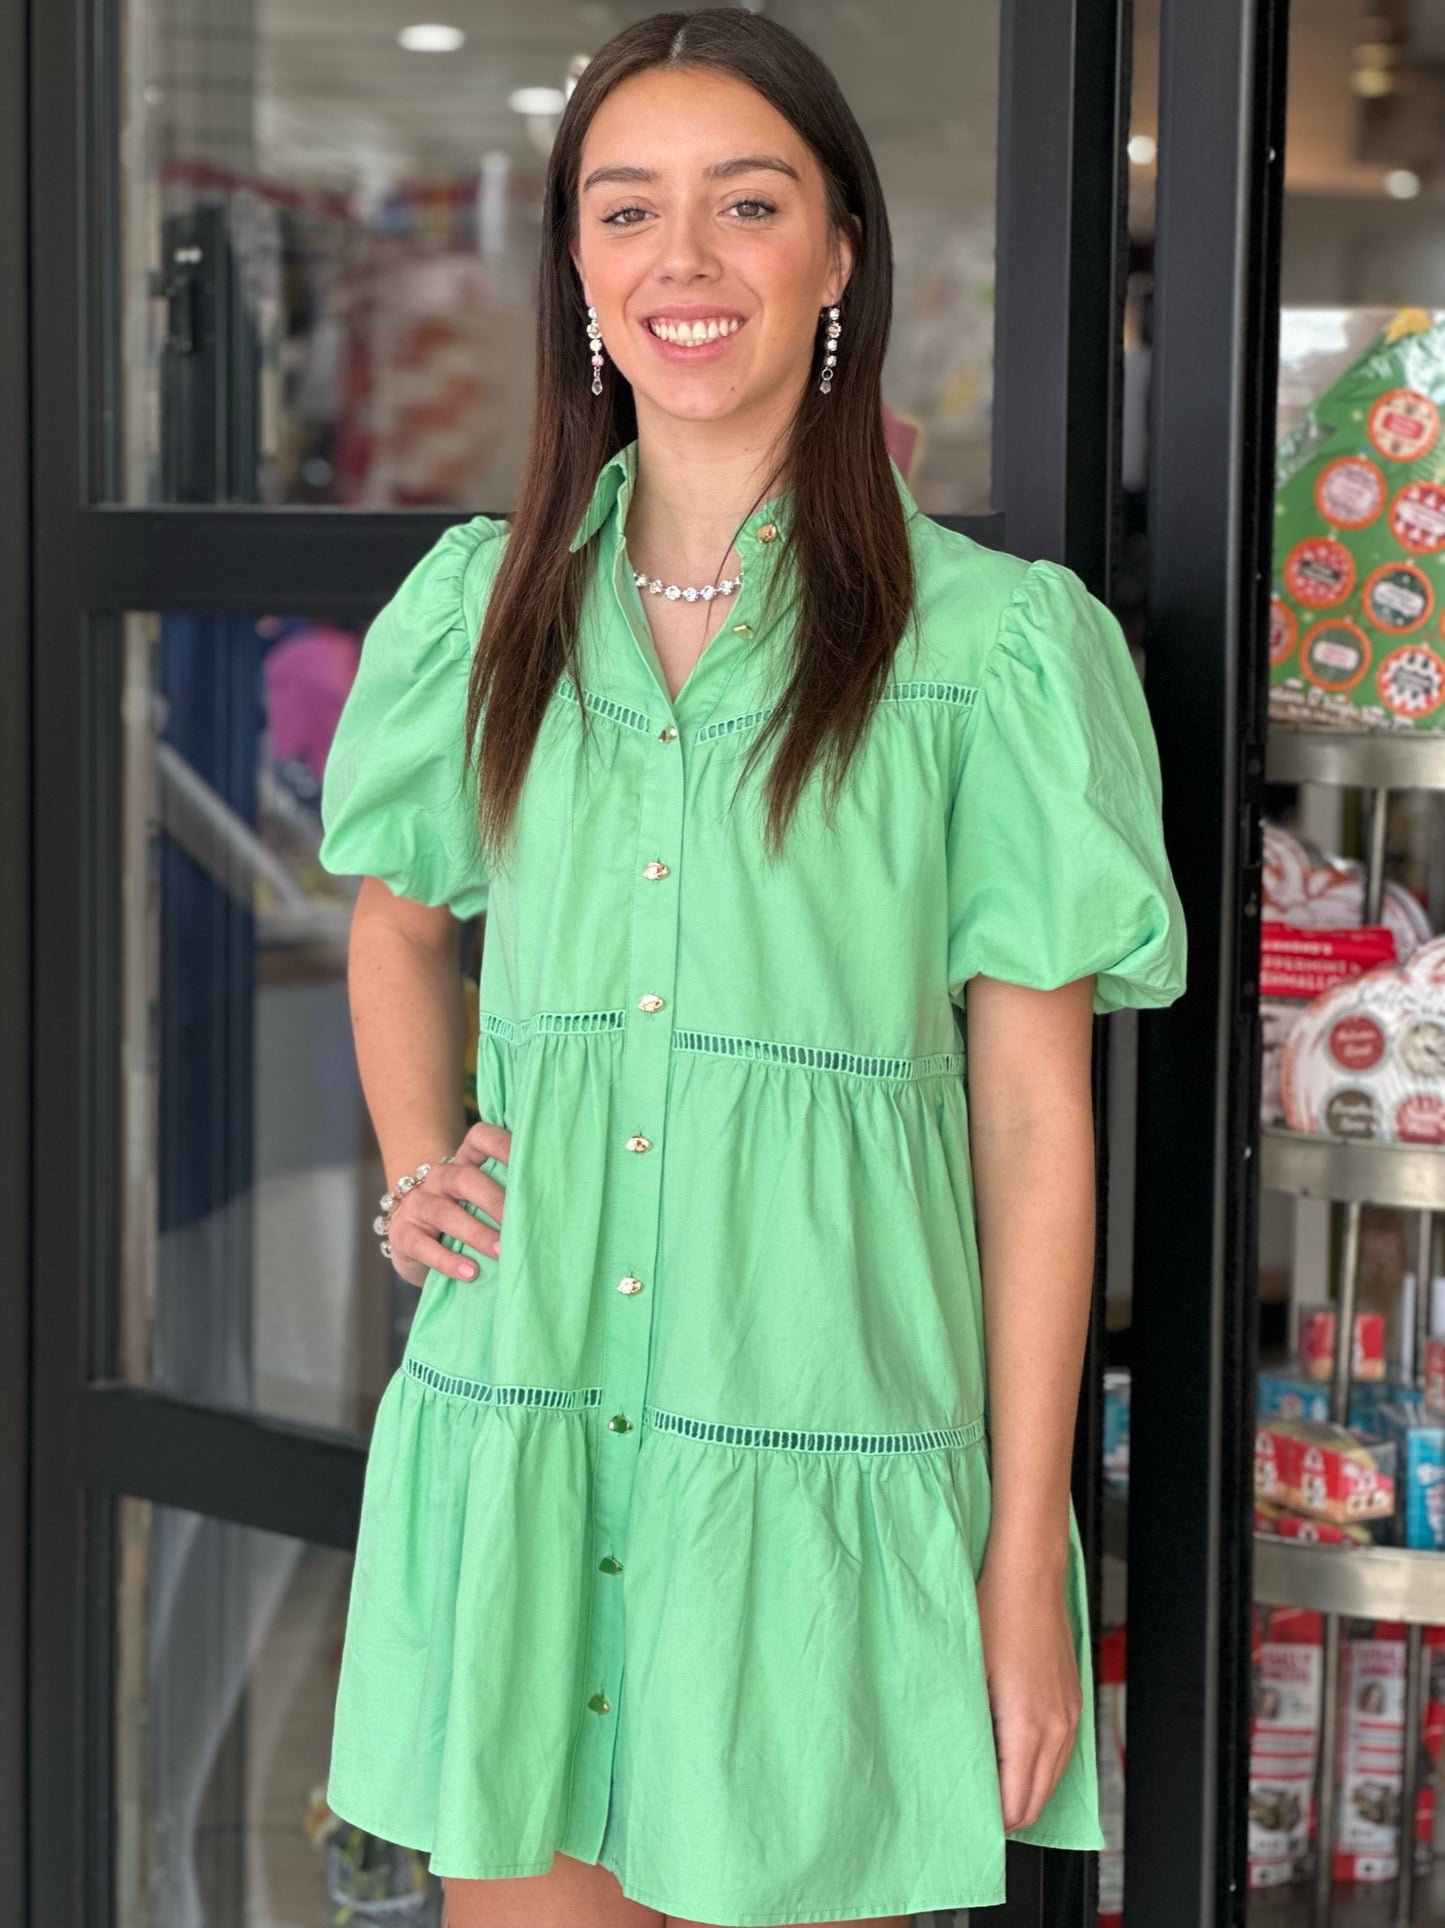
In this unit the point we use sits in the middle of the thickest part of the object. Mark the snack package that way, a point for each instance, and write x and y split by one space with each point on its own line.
1371 1748
1295 1395
1311 939
1359 551
1116 1428
1288 1662
1279 1523
1418 1434
1367 1059
1113 1673
1315 1467
1317 1344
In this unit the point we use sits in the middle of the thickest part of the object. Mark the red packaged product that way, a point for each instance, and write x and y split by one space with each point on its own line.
1314 1466
1317 1344
1371 1749
1288 1662
1112 1675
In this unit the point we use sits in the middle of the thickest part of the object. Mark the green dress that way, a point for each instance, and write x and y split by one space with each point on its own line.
672 1516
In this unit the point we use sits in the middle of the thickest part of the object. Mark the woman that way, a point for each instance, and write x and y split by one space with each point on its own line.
697 1583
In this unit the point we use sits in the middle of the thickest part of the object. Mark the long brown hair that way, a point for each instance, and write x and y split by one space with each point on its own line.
847 558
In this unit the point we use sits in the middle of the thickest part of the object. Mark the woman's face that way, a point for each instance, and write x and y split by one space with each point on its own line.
699 203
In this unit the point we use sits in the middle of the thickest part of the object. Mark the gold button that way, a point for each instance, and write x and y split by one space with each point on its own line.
654 870
629 1285
667 732
638 1143
742 629
599 1705
651 1002
619 1423
767 532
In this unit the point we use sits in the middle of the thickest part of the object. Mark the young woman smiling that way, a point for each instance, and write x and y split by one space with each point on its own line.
717 1561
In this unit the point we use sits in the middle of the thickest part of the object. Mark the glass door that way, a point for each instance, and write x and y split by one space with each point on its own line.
288 344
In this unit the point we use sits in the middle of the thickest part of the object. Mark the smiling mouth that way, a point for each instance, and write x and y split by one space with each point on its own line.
692 334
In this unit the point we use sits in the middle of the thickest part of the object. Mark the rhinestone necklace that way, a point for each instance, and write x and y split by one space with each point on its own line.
655 586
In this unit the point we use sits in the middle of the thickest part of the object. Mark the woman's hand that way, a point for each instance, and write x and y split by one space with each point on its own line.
1033 1683
419 1218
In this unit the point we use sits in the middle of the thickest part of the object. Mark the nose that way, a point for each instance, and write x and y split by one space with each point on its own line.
685 248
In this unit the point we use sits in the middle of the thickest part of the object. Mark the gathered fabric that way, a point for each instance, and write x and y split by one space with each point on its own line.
673 1515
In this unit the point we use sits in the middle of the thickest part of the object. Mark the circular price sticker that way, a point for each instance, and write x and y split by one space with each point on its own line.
1335 654
1420 1119
1319 572
1350 491
1397 597
1351 1113
1417 516
1404 424
1356 1043
1411 680
1283 631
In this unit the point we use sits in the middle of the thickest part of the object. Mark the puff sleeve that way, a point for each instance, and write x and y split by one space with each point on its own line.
1056 859
393 804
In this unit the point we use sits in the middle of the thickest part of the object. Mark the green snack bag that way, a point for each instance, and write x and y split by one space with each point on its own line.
1355 638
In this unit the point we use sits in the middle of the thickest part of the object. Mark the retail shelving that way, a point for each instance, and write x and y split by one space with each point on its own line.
1378 1583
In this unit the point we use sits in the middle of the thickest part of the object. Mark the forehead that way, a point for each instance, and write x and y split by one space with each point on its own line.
680 120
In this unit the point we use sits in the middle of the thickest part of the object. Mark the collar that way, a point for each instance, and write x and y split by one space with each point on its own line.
618 477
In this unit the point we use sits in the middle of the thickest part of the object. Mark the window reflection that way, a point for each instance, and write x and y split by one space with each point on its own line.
330 242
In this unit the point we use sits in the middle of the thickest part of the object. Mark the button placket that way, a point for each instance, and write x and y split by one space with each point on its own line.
640 1145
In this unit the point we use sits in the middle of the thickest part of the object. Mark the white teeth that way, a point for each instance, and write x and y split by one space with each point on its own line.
689 334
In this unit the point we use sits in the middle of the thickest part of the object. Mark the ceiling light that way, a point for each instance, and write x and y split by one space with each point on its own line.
431 39
1142 149
536 100
1402 184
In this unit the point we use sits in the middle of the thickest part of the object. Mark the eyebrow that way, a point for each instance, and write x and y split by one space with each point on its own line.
719 171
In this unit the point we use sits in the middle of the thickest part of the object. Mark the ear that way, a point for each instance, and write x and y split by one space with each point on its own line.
843 254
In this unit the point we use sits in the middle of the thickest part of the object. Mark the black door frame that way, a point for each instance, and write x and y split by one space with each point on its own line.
1210 518
92 1438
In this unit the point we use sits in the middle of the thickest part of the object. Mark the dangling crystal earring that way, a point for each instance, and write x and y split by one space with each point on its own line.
594 337
830 348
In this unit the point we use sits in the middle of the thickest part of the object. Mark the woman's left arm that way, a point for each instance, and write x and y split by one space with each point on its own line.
1031 1142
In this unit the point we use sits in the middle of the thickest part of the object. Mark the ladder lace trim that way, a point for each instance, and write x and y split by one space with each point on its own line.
716 1432
785 1439
550 1024
937 1064
555 1398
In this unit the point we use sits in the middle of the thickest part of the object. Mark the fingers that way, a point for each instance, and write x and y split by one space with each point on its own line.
486 1140
1033 1752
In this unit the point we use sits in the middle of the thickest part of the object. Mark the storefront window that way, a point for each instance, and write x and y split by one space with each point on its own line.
250 1275
227 1645
329 241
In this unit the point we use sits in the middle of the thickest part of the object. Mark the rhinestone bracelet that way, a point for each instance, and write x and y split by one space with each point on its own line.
389 1199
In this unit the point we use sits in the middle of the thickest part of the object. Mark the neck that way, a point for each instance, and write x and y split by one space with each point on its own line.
697 483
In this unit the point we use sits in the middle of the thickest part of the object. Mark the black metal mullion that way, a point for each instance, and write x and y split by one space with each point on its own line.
1210 531
15 942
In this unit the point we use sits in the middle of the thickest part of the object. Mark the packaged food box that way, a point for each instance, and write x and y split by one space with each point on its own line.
1359 550
1113 1673
1288 1660
1317 1344
1371 1749
1116 1428
1367 1059
1312 937
1315 1467
1280 1523
1418 1434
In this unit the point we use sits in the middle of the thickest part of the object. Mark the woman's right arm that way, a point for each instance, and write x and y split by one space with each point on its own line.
409 1023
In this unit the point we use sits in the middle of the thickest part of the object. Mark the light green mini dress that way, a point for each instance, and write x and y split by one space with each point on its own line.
673 1515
